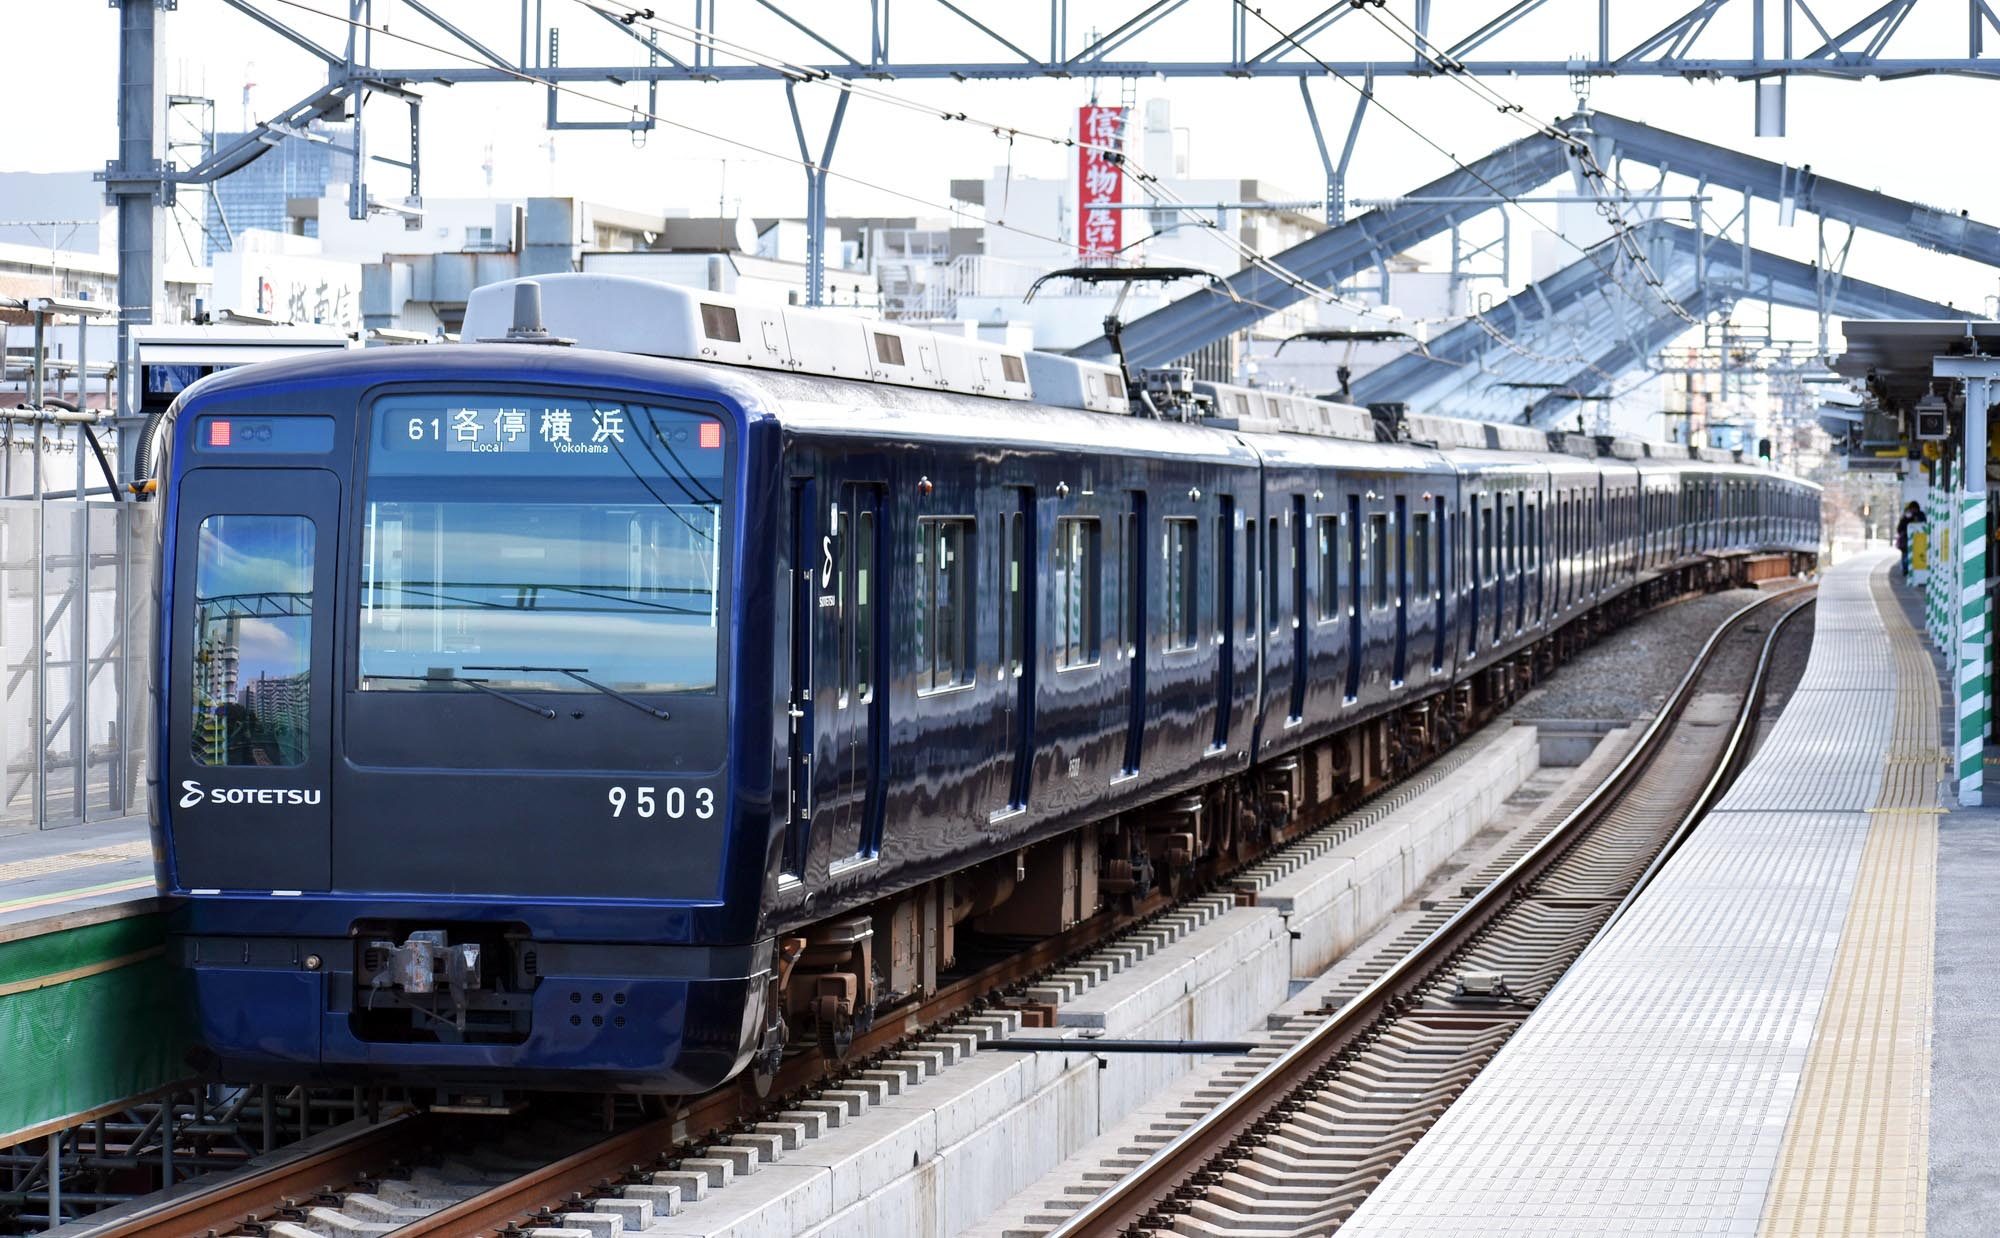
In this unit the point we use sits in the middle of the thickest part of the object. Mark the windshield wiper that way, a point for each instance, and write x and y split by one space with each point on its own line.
441 675
576 673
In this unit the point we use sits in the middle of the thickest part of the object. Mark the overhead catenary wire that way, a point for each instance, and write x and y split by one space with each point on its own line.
1587 161
949 208
520 75
1147 181
1577 149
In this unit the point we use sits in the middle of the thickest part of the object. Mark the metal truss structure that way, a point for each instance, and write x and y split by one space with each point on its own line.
1586 334
624 61
1367 241
1741 39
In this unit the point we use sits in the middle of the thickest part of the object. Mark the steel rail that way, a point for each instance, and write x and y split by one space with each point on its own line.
549 1186
1132 1199
240 1199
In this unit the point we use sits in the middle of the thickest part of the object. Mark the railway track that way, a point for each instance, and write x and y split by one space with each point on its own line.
1340 1097
413 1176
424 1173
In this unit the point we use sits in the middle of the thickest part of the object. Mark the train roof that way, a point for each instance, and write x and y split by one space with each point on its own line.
828 373
801 403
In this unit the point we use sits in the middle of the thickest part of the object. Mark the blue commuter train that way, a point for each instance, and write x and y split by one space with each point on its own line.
611 715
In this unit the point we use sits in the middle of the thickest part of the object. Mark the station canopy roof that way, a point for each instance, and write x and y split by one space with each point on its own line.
1899 352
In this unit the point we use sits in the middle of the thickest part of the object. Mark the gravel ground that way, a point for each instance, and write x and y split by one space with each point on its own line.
1628 674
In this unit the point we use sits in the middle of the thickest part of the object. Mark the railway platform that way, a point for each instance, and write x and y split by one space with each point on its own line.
86 999
1789 1031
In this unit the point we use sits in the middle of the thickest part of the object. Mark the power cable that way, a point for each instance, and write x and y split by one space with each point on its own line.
953 209
1587 161
1147 181
1578 150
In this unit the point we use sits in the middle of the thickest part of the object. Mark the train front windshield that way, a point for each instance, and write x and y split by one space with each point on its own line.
541 544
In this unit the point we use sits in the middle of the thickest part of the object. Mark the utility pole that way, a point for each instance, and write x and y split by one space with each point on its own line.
137 184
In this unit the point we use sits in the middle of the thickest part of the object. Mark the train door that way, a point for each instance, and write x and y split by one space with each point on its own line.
848 640
1475 575
1517 555
1251 593
1441 590
1599 538
1551 551
1354 602
862 640
1225 619
1402 544
1020 645
1535 554
1497 513
249 760
1301 663
1132 566
805 559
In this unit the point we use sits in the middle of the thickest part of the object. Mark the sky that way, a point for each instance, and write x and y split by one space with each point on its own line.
1914 138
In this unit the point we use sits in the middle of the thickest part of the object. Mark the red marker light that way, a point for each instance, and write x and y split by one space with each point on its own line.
218 433
711 434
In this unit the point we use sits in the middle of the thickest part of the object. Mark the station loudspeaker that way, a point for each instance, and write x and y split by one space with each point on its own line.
1932 423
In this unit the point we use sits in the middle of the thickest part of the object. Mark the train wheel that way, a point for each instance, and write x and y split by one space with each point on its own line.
769 1057
836 1037
833 1018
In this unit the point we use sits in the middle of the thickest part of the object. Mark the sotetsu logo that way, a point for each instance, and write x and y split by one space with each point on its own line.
193 793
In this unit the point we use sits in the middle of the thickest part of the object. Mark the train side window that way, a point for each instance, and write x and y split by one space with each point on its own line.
1486 540
861 550
1420 555
1182 595
1076 584
1273 579
253 698
1126 555
944 625
1510 560
1378 561
1572 524
1250 576
1327 606
1013 592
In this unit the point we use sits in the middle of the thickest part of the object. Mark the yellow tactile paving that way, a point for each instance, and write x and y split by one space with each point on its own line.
1855 1158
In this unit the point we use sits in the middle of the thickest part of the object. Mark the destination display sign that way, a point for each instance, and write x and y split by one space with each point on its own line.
540 427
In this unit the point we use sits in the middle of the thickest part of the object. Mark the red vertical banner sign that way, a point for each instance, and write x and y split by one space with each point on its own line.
1100 180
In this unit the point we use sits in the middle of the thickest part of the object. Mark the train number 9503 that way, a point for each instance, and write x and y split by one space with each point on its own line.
673 803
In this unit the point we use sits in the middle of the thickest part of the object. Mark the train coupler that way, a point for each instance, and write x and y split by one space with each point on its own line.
426 957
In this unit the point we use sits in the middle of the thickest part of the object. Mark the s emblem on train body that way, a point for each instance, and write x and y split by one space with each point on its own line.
191 793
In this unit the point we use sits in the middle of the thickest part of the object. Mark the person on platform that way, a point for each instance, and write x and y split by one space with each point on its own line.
1912 515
